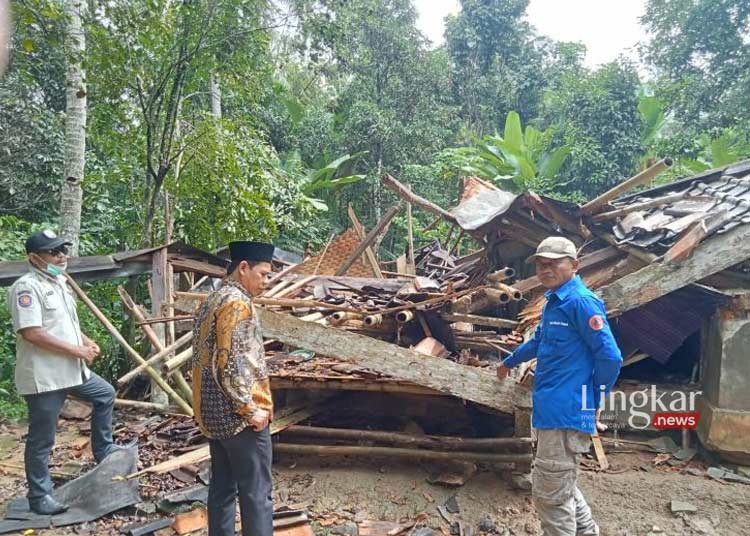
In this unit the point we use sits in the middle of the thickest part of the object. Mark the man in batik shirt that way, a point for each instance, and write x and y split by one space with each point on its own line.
232 395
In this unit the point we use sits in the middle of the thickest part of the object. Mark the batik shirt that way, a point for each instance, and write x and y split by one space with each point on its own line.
230 380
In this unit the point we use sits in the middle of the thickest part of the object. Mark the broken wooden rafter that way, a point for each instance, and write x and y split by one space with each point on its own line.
407 195
370 255
641 178
658 279
369 239
440 374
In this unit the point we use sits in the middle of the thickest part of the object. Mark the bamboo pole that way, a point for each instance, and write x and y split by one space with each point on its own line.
296 286
177 361
124 403
514 294
156 358
281 274
639 206
400 453
641 178
182 385
498 276
409 440
129 349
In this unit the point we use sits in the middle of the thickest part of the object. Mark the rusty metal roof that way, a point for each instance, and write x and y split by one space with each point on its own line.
720 198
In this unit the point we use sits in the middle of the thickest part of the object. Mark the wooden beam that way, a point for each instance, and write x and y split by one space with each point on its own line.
369 253
404 193
369 239
480 320
655 280
440 374
641 178
399 453
410 263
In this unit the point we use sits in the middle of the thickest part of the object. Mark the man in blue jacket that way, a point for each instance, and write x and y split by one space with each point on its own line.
577 357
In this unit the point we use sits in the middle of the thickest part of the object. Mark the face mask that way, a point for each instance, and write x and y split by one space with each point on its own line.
56 270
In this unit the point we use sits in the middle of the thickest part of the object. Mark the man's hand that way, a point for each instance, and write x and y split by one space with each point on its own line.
87 353
259 420
502 371
95 346
515 337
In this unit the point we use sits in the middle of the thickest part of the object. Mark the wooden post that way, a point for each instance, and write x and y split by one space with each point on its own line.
411 267
369 239
159 271
129 349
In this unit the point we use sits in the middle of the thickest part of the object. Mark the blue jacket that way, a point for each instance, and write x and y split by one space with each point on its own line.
576 354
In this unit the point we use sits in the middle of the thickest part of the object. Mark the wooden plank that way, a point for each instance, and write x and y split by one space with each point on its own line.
641 178
181 264
655 280
404 193
351 384
601 457
369 239
480 320
281 422
440 374
372 259
410 263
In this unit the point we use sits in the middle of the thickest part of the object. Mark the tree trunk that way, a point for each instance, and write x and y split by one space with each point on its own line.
75 125
215 91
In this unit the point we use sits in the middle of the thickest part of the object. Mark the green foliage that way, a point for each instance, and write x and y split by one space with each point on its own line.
596 115
701 54
521 160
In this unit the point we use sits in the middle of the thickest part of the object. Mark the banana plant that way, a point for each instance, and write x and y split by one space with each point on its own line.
518 161
330 178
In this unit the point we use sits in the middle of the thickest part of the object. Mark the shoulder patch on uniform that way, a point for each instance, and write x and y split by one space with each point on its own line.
25 300
596 322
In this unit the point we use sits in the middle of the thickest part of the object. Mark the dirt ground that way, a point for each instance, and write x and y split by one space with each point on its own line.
626 500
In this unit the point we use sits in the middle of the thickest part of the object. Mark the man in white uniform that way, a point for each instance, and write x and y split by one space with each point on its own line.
52 355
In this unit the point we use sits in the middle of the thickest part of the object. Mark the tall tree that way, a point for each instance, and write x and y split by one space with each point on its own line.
701 53
75 124
496 62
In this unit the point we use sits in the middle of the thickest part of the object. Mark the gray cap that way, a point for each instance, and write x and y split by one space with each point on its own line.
555 247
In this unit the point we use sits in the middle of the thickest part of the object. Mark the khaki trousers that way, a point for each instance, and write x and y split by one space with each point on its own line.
559 503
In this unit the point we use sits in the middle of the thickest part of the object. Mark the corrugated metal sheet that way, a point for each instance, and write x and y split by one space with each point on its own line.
661 326
721 195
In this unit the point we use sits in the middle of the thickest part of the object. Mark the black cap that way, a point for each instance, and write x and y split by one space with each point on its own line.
250 252
45 241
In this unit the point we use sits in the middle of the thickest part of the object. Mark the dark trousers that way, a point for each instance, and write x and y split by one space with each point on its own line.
241 465
44 409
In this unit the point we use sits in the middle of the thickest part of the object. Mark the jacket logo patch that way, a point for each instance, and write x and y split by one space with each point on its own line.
24 300
596 322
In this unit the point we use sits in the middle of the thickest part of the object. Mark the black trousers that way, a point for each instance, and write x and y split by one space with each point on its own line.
241 466
44 409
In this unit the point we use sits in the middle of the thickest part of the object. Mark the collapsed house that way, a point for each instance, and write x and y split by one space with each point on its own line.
409 352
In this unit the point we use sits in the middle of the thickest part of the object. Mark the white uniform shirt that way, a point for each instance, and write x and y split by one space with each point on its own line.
41 300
